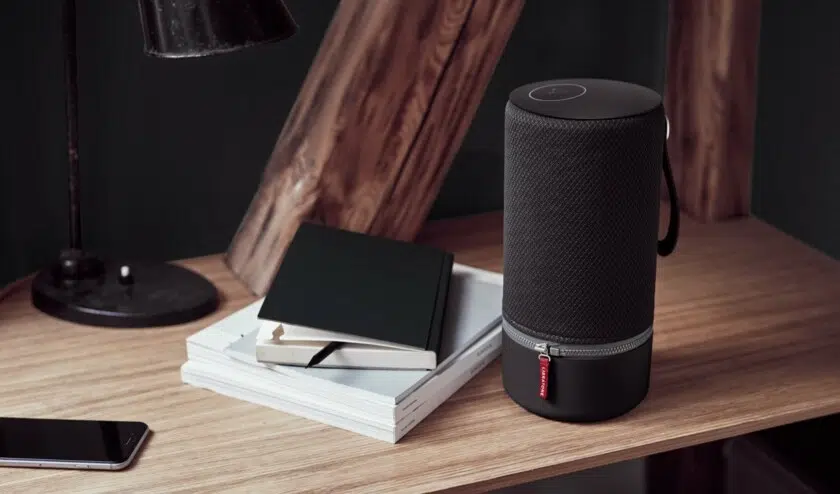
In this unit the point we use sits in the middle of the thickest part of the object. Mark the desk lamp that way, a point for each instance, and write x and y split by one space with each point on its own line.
85 288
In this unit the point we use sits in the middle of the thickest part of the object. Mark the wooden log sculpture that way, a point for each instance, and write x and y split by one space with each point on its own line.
381 114
710 100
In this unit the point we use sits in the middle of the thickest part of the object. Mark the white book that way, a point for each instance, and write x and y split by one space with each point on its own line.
266 392
378 413
210 377
383 395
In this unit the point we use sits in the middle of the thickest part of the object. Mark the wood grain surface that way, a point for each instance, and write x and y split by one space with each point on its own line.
375 126
710 98
747 336
460 89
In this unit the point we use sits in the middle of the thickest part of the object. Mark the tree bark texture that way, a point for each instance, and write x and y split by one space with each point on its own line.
710 100
376 124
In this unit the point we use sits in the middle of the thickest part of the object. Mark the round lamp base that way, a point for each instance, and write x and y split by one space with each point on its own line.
125 295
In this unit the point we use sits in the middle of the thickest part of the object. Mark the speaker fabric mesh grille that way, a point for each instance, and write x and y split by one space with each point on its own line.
581 211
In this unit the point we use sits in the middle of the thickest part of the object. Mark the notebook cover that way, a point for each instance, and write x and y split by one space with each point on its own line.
358 284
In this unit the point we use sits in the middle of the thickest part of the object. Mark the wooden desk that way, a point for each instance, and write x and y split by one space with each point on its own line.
747 336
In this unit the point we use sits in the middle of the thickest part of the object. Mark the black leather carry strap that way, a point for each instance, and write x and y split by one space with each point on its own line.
666 246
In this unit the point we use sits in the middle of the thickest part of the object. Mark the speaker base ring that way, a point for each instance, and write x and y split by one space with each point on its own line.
578 389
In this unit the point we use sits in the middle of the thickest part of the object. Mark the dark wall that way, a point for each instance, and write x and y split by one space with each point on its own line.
796 171
171 151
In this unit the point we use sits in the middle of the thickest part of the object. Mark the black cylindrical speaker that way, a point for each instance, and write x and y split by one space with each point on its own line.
583 166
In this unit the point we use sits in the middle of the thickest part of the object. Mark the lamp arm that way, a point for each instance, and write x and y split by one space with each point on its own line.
72 110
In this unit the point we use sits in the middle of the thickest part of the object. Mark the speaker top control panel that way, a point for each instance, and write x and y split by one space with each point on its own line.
585 99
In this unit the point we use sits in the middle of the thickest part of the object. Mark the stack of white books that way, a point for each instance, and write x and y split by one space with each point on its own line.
379 403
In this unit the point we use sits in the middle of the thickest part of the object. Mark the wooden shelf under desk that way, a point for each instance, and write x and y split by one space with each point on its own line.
747 337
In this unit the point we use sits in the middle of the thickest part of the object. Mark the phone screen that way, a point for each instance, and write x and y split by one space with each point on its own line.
76 441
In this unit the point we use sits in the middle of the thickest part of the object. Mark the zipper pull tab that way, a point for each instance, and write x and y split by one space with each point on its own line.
545 360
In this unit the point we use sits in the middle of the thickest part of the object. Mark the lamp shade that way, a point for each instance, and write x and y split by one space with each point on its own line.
195 28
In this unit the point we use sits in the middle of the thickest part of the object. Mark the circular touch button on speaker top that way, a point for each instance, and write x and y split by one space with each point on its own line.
585 99
557 92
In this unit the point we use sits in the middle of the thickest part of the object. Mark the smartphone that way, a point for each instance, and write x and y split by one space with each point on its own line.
75 444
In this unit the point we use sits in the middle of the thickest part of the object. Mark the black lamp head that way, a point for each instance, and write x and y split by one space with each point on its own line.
197 28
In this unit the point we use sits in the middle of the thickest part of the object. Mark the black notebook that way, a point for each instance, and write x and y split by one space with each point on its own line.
376 302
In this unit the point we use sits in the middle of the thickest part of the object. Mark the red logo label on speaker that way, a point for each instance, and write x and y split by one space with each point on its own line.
544 361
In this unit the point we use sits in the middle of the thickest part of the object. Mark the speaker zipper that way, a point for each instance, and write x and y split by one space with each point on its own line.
545 361
546 350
